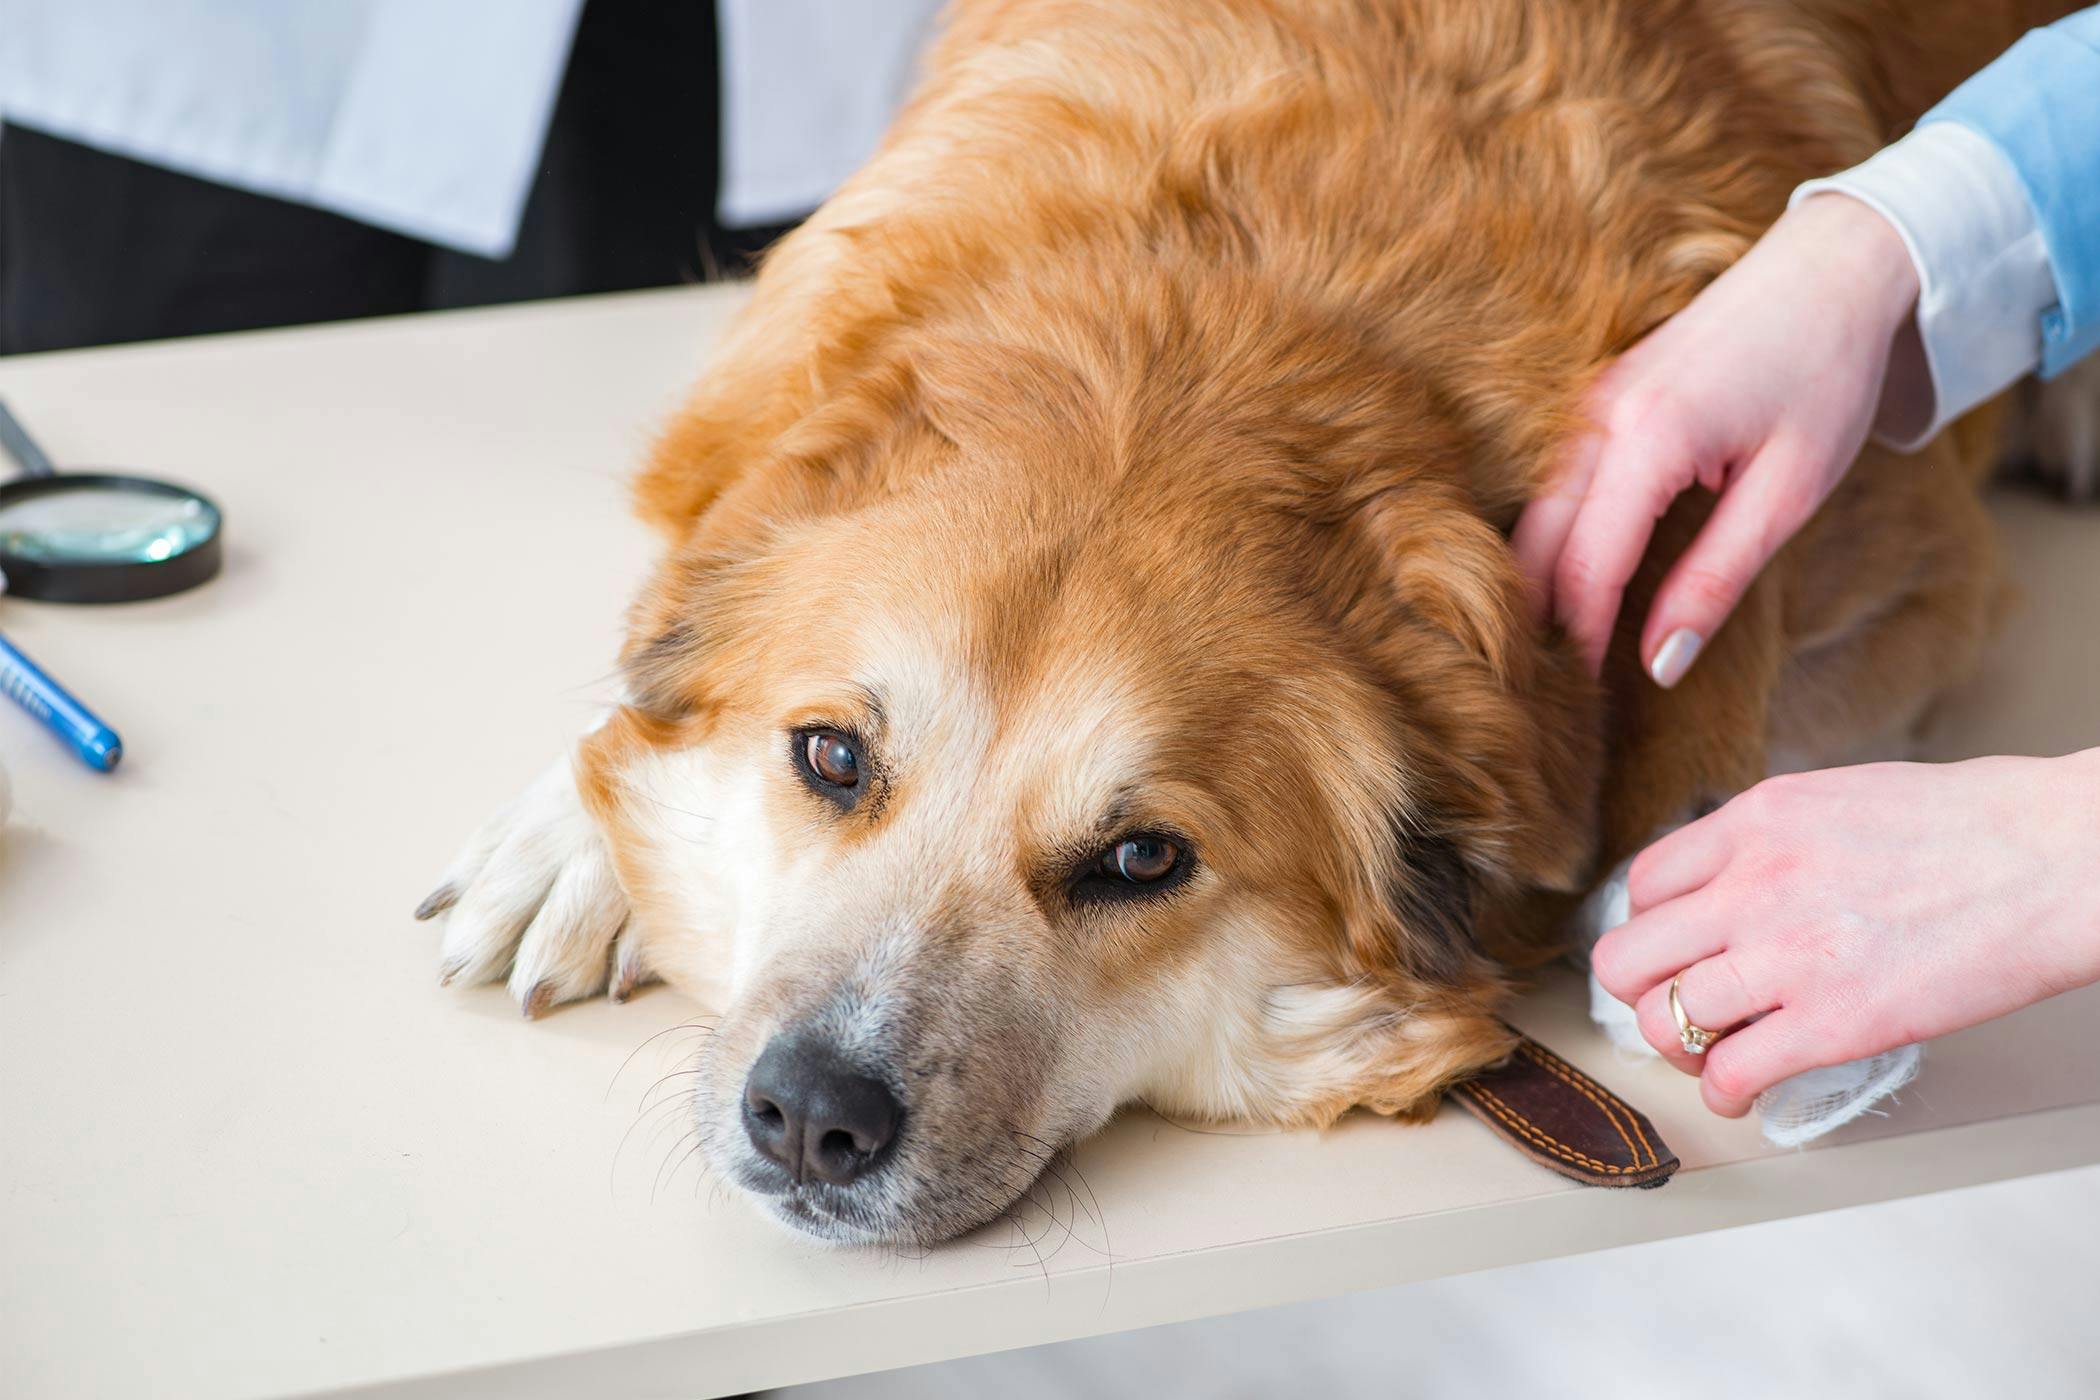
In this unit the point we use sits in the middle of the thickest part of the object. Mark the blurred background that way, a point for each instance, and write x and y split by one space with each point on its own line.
183 167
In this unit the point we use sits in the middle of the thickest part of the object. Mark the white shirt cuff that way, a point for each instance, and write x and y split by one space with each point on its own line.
1983 273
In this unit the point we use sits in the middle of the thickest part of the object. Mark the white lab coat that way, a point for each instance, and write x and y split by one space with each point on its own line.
427 116
808 87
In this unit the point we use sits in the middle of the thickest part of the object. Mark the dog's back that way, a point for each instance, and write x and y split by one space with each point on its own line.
1487 199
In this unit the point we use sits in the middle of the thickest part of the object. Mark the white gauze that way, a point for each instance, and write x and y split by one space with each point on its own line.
1792 1111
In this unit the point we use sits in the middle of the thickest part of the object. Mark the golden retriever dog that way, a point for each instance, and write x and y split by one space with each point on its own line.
1086 665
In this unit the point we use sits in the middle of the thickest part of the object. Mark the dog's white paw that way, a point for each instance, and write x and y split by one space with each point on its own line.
534 900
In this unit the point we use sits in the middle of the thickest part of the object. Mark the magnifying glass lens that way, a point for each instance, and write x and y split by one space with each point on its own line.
99 524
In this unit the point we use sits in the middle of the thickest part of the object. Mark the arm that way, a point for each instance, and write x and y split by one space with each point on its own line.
1996 196
1977 237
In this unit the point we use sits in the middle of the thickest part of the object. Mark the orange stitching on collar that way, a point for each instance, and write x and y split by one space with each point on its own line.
1572 1077
1633 1116
1531 1131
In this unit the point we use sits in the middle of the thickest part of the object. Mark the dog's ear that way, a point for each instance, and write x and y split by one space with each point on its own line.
827 463
1383 1043
1500 728
828 306
1513 722
1431 899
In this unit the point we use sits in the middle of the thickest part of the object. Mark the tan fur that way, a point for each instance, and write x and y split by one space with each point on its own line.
1152 409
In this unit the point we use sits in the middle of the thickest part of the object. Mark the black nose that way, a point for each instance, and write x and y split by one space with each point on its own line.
809 1110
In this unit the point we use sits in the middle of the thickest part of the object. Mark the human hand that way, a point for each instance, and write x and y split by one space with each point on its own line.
1761 390
1860 909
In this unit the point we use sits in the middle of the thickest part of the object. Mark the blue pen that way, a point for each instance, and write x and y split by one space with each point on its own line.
95 742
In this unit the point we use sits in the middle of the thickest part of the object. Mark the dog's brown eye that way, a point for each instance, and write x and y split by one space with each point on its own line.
1144 866
831 758
1143 859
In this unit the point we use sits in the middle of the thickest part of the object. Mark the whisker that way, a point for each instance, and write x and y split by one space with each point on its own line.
640 1119
691 1024
1057 1222
1056 1163
1211 1132
690 1154
631 790
645 1105
656 1183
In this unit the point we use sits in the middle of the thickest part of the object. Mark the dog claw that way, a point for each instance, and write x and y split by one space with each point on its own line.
627 971
534 902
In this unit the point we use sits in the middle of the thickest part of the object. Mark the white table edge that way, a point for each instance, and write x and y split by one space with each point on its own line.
886 1334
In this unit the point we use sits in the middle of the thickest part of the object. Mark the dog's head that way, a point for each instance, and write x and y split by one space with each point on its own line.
1024 735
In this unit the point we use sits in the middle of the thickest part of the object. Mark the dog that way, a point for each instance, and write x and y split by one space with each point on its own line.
1086 665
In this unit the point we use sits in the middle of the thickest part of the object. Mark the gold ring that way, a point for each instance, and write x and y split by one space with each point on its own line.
1695 1039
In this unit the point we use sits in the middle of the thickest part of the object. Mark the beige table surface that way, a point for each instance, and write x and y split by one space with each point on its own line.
247 1145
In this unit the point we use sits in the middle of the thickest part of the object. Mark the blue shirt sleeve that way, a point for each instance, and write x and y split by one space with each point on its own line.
2039 104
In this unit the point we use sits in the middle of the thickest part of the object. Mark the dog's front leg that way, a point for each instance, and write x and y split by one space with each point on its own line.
534 900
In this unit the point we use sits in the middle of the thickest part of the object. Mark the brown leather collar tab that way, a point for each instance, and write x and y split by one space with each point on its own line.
1563 1119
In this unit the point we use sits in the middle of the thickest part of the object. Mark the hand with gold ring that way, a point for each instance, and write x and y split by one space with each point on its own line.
1824 917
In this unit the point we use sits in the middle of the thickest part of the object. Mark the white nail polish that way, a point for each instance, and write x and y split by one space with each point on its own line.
1675 656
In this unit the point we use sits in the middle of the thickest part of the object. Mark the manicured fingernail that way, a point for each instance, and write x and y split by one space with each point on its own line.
1675 656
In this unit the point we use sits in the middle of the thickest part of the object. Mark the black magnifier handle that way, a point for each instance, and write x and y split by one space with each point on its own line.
22 447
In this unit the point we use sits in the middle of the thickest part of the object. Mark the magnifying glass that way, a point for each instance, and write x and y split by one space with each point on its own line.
99 537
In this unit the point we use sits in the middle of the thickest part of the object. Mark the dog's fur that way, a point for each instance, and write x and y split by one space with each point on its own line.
1131 446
